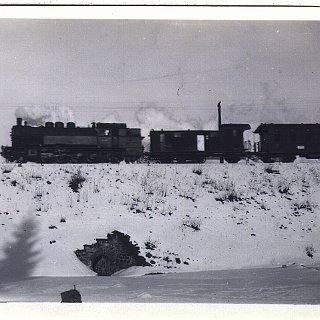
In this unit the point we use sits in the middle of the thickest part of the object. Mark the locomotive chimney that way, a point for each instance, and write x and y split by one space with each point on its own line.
19 122
219 115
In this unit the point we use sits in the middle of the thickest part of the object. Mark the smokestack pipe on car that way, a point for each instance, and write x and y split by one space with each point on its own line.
219 115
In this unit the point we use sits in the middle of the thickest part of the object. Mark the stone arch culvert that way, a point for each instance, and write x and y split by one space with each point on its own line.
111 254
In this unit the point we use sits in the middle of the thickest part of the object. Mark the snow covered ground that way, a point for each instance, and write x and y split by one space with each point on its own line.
293 285
183 217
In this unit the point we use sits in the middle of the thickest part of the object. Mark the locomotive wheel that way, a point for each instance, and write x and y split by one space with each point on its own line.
74 160
89 159
92 158
82 159
143 159
114 159
267 160
232 159
152 161
46 160
22 160
288 159
130 159
61 159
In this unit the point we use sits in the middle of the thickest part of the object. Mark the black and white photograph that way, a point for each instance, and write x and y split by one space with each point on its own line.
160 161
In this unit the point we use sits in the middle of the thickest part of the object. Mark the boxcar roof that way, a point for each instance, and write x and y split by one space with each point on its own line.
223 126
186 130
266 126
236 126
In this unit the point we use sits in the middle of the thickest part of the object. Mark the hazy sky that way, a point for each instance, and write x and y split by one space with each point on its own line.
150 72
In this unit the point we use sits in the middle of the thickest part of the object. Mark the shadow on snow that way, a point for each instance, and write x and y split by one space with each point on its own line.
21 257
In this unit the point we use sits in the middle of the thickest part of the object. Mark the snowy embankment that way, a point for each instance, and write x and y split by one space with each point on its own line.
183 217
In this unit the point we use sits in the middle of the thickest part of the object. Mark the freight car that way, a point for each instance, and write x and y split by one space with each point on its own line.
283 142
60 143
199 145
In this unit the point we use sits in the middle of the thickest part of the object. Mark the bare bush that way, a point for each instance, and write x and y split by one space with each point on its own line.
304 204
270 169
76 181
7 167
214 184
167 210
310 251
193 223
229 195
315 174
263 205
38 192
198 170
257 183
283 186
43 207
69 200
96 187
150 244
35 175
229 192
126 200
152 185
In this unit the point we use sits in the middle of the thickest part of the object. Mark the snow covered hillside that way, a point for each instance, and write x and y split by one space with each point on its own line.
183 217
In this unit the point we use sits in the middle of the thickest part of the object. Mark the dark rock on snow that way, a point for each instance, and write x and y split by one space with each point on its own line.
71 296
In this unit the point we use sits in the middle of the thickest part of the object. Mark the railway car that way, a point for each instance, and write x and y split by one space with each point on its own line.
60 143
199 145
283 142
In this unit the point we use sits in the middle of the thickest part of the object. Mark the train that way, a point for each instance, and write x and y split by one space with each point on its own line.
115 142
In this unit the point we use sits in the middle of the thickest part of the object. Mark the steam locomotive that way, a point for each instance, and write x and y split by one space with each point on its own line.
57 143
114 142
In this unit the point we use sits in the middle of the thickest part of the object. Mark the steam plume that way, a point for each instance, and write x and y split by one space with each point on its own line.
36 116
153 117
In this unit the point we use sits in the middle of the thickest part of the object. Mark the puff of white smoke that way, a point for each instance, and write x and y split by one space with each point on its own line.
158 118
36 116
148 118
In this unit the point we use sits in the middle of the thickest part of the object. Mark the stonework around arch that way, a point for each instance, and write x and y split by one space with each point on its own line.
111 254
